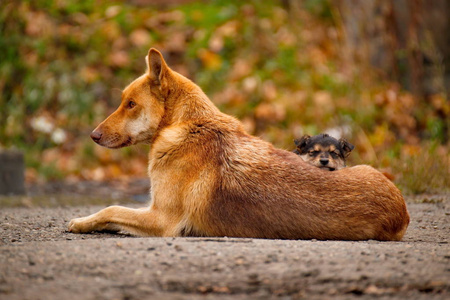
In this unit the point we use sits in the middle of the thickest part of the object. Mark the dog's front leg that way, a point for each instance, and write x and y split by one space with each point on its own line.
142 222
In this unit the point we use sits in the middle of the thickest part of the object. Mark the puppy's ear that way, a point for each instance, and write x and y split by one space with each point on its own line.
346 147
157 68
302 142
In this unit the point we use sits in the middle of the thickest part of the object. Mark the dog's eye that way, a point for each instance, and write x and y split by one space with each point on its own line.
312 153
131 104
335 153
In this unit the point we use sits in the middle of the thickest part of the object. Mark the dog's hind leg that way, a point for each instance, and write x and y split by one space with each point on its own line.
141 222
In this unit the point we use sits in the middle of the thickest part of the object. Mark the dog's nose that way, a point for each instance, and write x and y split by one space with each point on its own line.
96 136
324 161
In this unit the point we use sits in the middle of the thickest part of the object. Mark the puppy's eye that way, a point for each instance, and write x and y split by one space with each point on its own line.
312 153
131 104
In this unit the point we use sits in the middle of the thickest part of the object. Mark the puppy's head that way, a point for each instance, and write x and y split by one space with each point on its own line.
141 110
323 151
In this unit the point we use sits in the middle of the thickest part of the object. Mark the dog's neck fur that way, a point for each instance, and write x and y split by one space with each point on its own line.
176 111
175 102
186 106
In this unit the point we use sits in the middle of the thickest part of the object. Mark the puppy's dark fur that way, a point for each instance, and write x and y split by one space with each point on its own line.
323 151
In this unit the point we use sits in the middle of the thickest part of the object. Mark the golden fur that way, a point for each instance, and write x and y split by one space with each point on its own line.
210 178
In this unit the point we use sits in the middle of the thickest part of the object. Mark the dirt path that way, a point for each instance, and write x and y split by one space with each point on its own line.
40 260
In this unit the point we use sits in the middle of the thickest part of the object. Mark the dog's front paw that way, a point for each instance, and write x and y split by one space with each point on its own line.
79 225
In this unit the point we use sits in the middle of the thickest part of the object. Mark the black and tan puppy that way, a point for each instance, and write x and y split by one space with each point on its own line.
323 151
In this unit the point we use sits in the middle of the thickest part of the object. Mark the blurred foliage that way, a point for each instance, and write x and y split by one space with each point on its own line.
279 69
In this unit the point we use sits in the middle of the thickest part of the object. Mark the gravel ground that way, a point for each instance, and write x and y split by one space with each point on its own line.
39 259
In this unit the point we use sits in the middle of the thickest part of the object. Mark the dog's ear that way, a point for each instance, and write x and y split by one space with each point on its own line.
156 66
301 142
346 147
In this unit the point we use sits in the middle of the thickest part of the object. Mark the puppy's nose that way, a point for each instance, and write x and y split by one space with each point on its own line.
323 161
96 136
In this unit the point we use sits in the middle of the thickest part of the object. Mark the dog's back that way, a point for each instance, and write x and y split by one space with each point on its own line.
243 187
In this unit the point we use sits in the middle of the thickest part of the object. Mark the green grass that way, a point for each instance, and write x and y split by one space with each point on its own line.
426 172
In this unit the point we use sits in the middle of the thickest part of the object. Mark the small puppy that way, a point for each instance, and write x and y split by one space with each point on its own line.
323 151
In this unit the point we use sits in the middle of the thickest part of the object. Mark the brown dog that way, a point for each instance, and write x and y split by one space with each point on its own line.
323 151
210 178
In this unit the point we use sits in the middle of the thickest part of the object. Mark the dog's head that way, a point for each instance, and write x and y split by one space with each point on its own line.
141 109
323 151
